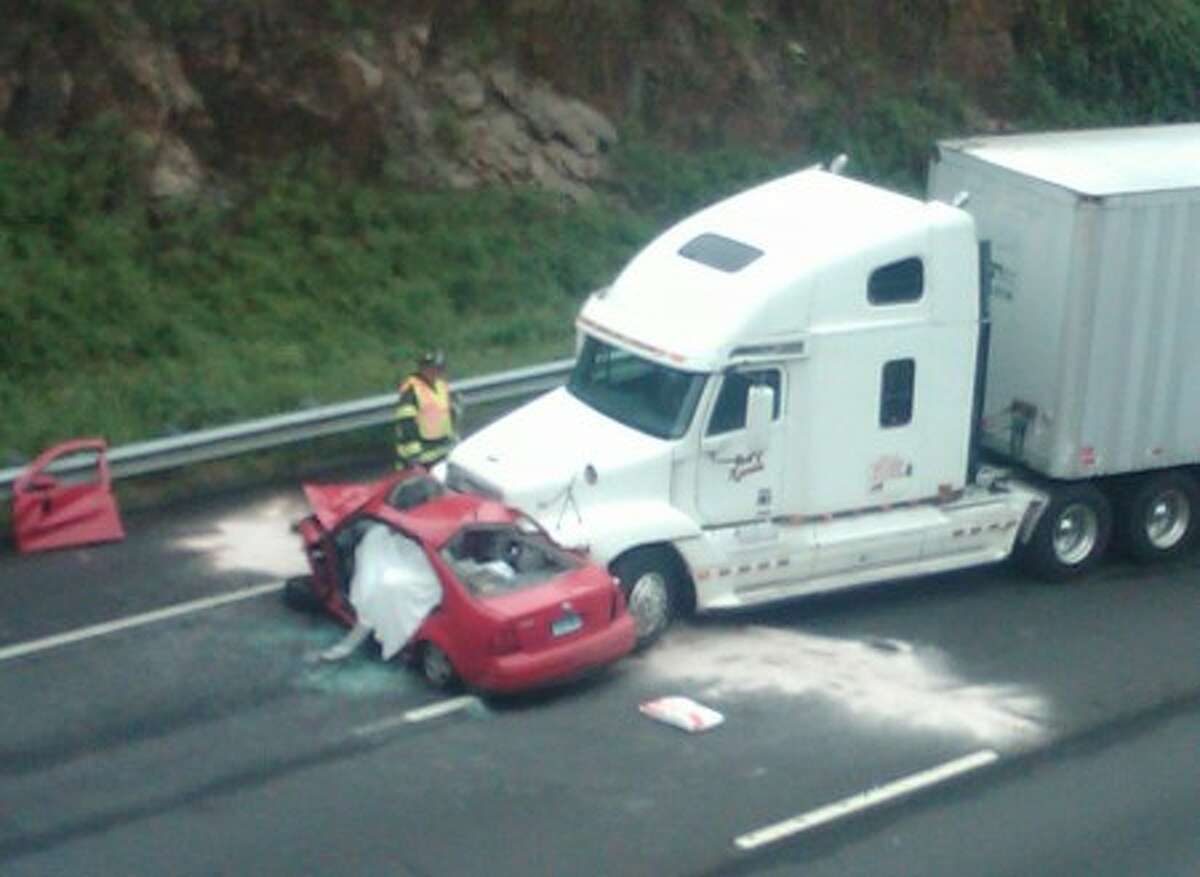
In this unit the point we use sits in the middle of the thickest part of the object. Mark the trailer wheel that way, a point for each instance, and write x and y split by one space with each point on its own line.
1072 534
1158 516
650 581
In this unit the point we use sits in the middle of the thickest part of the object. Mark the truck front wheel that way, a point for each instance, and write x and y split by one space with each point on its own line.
1158 516
1072 534
649 580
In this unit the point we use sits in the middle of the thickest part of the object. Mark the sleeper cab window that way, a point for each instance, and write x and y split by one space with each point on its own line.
896 393
730 411
897 283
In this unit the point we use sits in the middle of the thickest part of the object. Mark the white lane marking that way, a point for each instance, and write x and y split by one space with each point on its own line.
421 714
865 800
95 630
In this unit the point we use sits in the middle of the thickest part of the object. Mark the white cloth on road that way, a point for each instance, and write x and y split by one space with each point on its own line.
394 587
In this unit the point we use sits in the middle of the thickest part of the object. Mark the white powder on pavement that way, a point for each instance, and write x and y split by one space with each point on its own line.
258 539
876 680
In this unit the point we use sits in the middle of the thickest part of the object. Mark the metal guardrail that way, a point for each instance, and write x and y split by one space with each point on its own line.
158 455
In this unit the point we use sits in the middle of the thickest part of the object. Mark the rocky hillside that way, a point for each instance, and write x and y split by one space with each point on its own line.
459 92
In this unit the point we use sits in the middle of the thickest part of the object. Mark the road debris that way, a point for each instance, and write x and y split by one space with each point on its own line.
682 712
66 511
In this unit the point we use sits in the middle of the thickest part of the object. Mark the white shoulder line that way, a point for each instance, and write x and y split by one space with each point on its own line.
865 800
95 630
434 710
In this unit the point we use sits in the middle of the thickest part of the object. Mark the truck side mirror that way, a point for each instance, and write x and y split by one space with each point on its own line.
760 409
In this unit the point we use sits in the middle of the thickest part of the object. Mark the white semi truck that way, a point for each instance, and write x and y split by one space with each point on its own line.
792 391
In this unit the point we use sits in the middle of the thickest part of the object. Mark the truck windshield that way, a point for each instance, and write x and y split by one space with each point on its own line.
641 394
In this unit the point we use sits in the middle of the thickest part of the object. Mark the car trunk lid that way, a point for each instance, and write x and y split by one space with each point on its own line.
575 603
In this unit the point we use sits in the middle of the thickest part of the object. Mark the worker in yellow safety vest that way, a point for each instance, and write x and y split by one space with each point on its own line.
425 415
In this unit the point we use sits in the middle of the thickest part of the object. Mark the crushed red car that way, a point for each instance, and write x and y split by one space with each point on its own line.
470 590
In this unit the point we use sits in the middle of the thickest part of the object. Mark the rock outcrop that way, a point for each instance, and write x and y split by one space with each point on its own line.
443 94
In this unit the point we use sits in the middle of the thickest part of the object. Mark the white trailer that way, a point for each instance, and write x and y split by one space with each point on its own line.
1094 370
781 395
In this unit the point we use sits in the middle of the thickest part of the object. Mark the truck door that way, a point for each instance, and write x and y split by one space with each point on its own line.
739 475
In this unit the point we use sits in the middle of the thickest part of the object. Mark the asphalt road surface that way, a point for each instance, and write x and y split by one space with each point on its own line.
972 723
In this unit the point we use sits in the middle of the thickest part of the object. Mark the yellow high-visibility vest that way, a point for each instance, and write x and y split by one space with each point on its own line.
433 408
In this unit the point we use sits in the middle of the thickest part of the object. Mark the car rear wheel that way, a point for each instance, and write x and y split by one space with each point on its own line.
1158 516
1072 535
436 667
650 582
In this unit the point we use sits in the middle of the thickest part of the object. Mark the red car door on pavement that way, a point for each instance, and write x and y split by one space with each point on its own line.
49 512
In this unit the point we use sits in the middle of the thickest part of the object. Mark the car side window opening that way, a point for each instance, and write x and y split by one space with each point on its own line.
729 412
897 283
350 536
896 392
345 543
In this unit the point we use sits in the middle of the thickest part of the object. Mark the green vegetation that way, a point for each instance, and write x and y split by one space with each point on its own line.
888 135
664 186
1120 61
308 289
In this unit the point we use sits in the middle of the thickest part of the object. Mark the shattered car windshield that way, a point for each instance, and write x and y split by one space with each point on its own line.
499 559
637 392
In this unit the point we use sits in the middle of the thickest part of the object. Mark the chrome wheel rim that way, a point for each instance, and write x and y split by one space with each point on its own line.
1168 519
648 604
1075 533
437 666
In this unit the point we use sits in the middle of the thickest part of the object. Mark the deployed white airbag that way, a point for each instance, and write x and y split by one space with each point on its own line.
394 587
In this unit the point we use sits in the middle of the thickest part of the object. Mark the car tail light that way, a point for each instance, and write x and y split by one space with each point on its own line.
504 641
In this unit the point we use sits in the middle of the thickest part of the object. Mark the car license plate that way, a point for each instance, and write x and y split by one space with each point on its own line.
569 623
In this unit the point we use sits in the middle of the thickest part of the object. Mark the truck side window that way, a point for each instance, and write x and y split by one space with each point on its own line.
896 394
897 283
730 411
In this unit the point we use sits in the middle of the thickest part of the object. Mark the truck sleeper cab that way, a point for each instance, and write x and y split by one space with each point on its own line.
769 401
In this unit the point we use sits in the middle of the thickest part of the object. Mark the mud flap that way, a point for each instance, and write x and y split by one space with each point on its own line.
79 509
